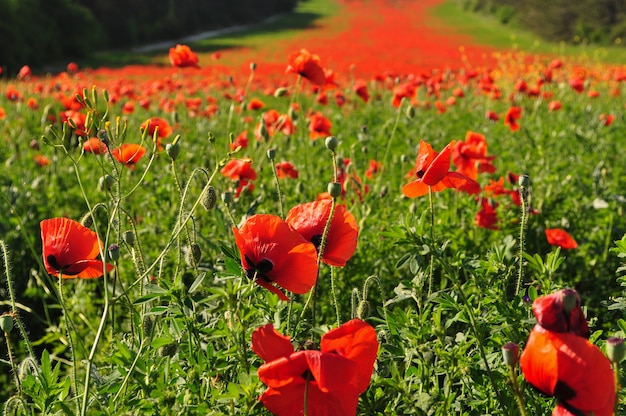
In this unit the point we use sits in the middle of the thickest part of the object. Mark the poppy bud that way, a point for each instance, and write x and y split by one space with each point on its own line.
148 325
615 349
271 154
410 111
523 181
334 189
227 197
193 255
362 311
114 252
173 149
280 92
570 300
263 132
331 143
293 113
87 220
6 322
174 117
129 238
252 66
510 354
105 182
169 350
404 159
363 129
208 198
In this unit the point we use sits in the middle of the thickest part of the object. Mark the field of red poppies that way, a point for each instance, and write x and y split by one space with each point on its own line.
373 217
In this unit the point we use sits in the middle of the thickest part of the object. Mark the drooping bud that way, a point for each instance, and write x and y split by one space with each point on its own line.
280 92
193 255
148 326
334 189
410 111
208 198
105 183
114 252
129 238
615 349
227 197
331 143
363 309
510 354
263 131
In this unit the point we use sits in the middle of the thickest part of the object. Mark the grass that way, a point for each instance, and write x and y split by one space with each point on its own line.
487 30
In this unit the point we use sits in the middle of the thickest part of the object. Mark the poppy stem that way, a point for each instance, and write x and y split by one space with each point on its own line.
320 254
68 329
305 404
277 183
517 391
393 132
431 270
523 191
332 291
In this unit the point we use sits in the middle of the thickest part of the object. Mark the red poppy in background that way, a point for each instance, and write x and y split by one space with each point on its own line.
607 119
333 377
374 168
310 219
129 154
433 172
159 125
94 145
241 171
510 118
286 170
319 126
255 104
402 91
72 67
70 249
24 73
487 217
306 65
41 160
75 119
559 361
360 88
274 254
560 238
554 105
182 56
240 141
470 156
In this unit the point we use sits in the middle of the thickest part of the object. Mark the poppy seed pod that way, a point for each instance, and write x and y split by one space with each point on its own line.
334 189
6 322
129 238
252 66
510 354
615 349
209 198
331 143
523 181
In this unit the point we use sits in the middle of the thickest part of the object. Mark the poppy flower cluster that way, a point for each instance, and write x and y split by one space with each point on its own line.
70 249
328 380
559 360
277 253
433 173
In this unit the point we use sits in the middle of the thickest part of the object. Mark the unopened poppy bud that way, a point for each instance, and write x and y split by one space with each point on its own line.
280 92
615 349
173 149
363 129
334 189
129 238
114 252
208 198
292 113
570 300
510 354
6 322
106 182
252 66
271 154
193 255
363 310
227 197
169 350
404 159
148 325
331 143
410 111
175 118
87 220
523 181
263 132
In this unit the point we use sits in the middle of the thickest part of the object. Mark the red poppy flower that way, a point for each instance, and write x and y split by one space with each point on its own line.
239 169
306 65
470 157
94 145
240 141
310 220
360 88
272 253
182 56
255 104
560 238
570 368
286 170
554 105
402 91
72 67
41 160
319 126
487 217
24 73
75 119
159 125
70 249
129 154
333 377
432 171
512 115
550 313
607 119
374 168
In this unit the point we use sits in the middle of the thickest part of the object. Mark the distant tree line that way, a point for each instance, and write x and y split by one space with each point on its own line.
600 22
37 32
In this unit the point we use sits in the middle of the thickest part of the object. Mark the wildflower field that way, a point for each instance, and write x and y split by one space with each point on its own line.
371 215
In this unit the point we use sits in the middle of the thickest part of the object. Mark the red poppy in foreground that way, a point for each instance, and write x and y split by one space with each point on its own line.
332 378
306 65
182 56
70 249
310 220
432 171
559 362
129 154
272 253
560 238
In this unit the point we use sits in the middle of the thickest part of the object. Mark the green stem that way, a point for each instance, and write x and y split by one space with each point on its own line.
320 254
431 270
522 233
68 329
278 192
618 387
13 367
517 391
334 295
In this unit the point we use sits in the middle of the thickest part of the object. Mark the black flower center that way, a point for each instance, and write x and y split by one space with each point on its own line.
52 261
420 173
317 241
258 270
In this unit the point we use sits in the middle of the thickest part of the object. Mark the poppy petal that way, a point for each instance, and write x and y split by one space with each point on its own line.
439 167
415 189
68 241
289 400
269 344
